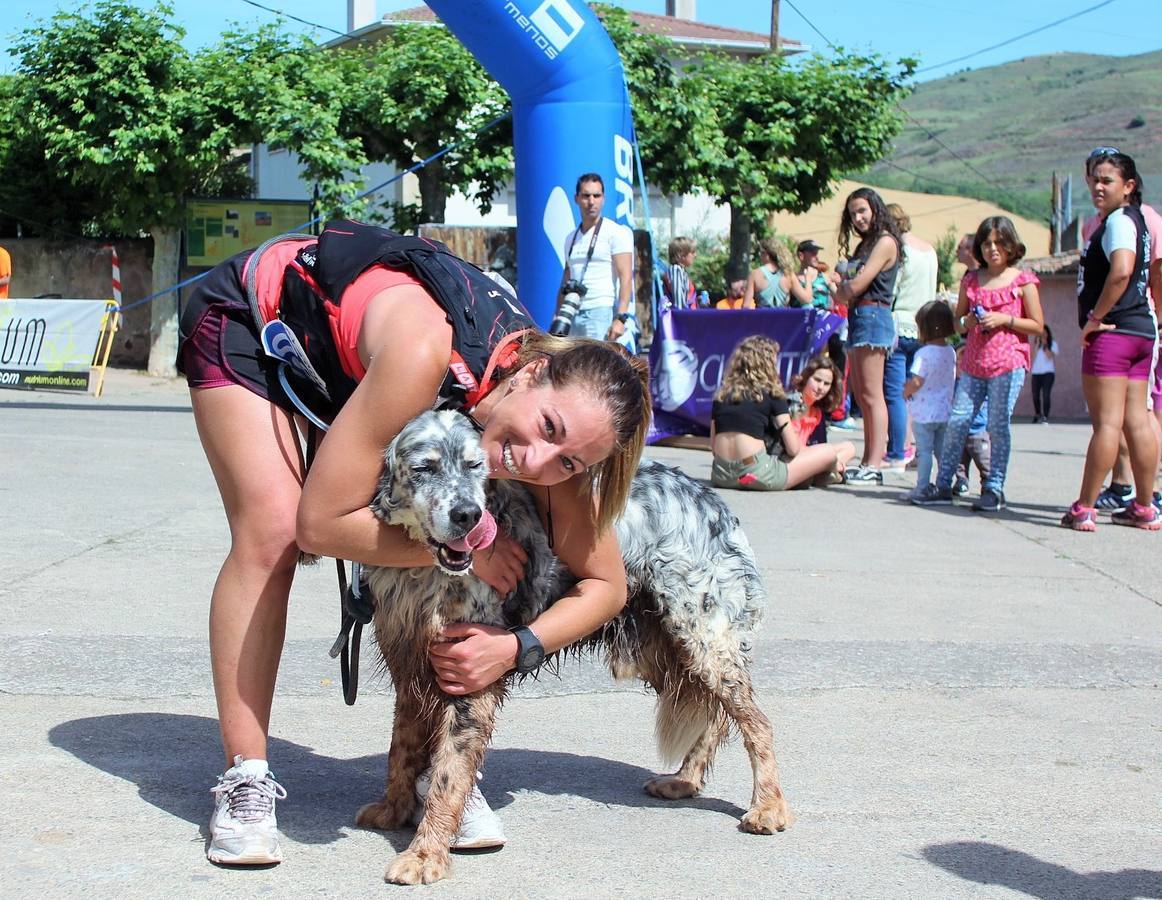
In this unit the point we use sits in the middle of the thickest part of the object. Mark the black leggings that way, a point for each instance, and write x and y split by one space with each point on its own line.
1042 390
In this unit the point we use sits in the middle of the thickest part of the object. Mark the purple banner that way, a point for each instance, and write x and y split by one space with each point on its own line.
691 347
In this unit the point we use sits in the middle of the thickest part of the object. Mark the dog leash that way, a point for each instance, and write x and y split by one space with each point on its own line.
356 608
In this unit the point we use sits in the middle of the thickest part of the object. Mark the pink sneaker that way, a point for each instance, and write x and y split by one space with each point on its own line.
1080 518
1138 516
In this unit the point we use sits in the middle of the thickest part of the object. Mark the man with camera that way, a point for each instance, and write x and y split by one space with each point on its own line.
596 296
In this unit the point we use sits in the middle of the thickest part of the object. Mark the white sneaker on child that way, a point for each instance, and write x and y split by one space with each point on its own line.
244 830
479 826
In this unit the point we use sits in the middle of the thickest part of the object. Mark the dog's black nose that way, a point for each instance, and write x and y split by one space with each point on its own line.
465 515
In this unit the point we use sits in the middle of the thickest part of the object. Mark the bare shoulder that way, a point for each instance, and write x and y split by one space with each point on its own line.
403 318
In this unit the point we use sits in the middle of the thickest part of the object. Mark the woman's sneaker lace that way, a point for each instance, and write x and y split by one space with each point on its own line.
244 829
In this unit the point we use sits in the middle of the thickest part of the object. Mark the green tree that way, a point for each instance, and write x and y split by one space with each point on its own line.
946 257
666 117
776 135
108 96
132 124
419 91
271 87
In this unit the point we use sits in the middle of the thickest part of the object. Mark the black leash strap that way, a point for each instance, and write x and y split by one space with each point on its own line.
355 607
355 611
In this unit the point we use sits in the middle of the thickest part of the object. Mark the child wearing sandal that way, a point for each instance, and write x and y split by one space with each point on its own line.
928 390
999 308
754 444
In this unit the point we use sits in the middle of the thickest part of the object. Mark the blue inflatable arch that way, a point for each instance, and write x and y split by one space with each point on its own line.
571 115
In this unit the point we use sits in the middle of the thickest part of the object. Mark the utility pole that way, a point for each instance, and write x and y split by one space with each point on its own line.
774 26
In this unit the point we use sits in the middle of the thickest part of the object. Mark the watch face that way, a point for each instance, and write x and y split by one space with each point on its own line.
531 658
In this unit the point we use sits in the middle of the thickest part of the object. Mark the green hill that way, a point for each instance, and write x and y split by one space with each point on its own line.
1017 123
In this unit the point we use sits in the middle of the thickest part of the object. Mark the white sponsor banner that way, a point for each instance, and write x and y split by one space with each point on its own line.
48 343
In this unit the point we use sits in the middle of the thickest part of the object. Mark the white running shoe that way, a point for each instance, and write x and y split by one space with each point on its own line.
244 830
479 826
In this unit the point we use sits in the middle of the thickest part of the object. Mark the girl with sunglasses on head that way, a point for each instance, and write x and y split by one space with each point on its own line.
1120 492
1118 333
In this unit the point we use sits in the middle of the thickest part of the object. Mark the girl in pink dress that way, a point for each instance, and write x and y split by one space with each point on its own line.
998 309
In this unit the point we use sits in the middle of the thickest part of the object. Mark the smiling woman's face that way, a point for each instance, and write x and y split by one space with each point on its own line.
546 435
818 385
861 214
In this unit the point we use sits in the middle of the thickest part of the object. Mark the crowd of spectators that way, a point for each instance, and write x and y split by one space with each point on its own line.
935 377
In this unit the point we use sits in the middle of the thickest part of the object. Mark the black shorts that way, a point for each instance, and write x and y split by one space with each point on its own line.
218 339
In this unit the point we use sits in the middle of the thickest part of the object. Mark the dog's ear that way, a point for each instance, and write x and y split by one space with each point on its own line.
385 502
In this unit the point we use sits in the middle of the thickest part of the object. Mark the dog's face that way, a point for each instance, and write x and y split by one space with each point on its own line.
433 483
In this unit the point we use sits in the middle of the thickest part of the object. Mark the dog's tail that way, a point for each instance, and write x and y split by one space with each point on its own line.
686 716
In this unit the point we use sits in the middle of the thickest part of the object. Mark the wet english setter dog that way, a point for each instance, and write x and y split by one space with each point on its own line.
695 598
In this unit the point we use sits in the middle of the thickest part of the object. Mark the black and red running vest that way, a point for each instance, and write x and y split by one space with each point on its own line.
482 312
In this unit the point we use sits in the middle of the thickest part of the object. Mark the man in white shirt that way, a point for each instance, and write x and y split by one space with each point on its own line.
599 255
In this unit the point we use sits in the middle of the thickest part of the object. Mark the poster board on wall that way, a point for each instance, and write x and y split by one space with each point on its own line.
53 344
216 229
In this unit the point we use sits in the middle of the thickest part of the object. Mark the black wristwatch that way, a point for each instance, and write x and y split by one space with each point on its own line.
624 317
531 652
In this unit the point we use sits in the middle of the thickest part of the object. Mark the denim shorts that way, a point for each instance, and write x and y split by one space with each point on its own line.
871 325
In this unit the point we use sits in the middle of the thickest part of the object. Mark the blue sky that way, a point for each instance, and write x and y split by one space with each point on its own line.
934 30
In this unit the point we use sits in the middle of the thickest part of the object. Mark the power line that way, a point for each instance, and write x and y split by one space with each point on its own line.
931 135
927 178
1015 39
279 12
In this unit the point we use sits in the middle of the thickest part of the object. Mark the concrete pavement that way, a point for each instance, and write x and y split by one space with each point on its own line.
964 706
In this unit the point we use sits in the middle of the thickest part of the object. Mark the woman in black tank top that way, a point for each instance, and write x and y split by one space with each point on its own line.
866 291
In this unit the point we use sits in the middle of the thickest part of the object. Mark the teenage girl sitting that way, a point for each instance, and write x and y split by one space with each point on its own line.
755 445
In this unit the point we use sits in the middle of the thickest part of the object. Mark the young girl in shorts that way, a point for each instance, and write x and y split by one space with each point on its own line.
928 391
998 309
1118 331
754 443
867 290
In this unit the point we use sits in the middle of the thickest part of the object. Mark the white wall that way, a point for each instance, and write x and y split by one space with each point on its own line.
276 175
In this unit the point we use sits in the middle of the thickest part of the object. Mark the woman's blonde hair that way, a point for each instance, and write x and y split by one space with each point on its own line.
622 381
779 252
752 371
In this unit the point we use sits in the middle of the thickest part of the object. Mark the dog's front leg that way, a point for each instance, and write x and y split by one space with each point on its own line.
408 756
462 732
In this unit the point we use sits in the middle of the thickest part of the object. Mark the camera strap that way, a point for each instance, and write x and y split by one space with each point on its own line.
589 255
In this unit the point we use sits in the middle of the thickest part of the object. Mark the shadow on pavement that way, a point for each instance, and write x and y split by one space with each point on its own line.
171 759
986 863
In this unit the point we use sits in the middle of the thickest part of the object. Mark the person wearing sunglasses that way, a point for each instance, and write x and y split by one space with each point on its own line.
1118 335
1120 491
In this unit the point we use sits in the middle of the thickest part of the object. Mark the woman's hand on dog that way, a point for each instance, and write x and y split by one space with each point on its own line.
471 657
501 565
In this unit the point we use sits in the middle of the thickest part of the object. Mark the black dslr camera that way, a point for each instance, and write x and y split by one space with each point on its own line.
571 293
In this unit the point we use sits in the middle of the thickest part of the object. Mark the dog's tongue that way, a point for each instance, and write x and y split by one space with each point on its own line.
479 537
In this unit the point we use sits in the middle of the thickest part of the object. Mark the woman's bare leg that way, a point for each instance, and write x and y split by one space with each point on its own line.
254 454
817 459
1106 399
1138 429
868 362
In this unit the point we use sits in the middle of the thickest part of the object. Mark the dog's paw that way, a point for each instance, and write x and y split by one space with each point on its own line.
670 787
767 820
382 816
415 867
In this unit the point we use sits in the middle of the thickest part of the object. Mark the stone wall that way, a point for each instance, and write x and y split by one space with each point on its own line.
82 270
